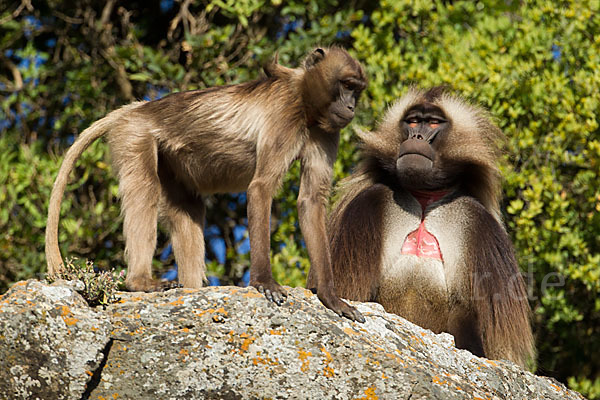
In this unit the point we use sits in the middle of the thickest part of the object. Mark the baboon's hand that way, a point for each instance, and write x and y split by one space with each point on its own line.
272 290
340 307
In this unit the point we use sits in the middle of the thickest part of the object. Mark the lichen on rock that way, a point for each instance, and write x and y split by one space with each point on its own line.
231 343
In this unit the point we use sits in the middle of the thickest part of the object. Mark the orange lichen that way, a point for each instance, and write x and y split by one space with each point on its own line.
303 355
246 343
350 331
217 318
70 321
230 334
436 379
220 310
327 370
178 302
370 394
328 357
556 387
264 361
252 294
183 355
65 314
137 331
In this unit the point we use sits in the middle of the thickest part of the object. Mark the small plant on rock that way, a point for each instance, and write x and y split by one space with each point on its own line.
98 288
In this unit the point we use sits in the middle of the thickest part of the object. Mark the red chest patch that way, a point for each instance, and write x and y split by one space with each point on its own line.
421 242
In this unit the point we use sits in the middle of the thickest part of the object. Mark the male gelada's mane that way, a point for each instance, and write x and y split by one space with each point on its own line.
433 142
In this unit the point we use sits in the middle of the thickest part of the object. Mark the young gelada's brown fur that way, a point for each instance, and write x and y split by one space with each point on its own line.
170 152
432 145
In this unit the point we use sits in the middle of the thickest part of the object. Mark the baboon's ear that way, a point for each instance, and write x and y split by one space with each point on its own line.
270 67
314 58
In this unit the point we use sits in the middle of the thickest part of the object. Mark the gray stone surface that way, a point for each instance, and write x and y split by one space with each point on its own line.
231 343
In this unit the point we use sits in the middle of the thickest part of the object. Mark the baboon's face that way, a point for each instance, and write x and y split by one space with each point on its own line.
424 128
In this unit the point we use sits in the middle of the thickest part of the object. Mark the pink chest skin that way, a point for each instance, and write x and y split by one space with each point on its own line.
421 242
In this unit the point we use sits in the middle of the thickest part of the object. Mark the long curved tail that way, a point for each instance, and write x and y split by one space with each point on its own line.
85 139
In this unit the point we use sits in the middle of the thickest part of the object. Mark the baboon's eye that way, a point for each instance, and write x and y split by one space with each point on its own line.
412 122
347 85
434 123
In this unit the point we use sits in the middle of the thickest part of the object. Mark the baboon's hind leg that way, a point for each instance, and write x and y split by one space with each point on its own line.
184 216
139 187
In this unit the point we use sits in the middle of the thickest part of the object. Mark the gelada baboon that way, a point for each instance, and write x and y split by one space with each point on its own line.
169 153
417 227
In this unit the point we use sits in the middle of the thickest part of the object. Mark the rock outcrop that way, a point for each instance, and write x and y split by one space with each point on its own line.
231 343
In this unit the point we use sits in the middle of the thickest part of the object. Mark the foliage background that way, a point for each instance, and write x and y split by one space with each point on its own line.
534 64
